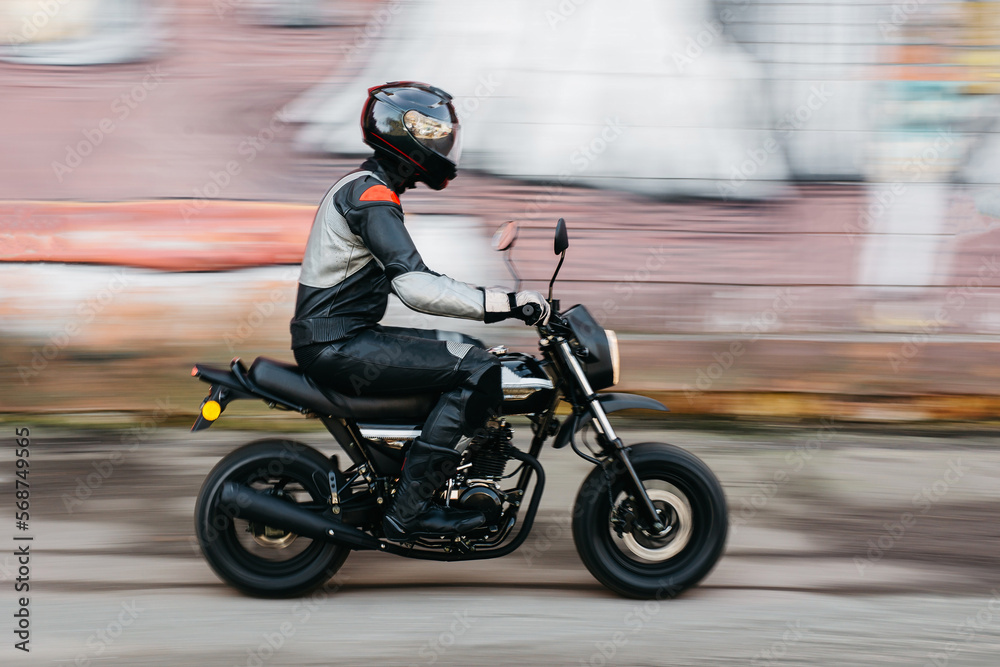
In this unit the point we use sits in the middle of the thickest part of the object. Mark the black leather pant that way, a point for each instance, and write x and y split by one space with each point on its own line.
396 360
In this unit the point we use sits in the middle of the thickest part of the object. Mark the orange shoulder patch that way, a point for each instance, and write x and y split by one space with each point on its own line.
379 193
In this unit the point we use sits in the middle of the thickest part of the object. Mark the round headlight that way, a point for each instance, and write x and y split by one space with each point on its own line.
616 360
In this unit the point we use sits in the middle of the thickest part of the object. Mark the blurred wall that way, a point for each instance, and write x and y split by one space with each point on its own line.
815 182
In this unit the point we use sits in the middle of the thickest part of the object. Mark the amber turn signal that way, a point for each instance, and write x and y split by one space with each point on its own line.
211 410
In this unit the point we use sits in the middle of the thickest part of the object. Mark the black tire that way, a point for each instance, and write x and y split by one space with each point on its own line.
253 563
640 565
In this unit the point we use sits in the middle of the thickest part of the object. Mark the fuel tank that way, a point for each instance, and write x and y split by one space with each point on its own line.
526 386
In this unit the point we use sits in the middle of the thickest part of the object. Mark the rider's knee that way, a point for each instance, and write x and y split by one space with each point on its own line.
478 364
482 392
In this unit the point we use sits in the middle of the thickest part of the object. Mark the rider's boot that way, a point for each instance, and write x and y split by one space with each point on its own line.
412 513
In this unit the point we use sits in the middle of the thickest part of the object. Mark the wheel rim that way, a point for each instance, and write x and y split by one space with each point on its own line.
266 550
273 544
675 510
272 538
679 504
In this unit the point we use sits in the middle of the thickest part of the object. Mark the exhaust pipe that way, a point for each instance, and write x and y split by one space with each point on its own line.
247 503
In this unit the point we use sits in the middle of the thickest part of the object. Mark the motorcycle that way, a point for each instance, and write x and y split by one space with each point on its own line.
276 518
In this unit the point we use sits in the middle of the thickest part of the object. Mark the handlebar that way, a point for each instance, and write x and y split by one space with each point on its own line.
528 313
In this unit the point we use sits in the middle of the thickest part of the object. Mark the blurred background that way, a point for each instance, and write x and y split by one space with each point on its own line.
789 211
818 181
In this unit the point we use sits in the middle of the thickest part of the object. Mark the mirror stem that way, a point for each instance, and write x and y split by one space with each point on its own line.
513 271
552 282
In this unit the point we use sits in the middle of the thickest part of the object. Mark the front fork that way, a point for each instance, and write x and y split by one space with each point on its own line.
612 443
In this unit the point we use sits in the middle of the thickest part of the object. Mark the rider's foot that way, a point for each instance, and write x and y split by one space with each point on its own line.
413 514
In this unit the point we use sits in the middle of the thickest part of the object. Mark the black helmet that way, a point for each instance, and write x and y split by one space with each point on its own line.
416 125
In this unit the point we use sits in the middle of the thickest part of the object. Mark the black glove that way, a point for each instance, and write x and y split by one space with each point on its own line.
530 307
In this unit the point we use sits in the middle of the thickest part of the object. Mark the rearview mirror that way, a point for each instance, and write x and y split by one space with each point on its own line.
505 236
562 238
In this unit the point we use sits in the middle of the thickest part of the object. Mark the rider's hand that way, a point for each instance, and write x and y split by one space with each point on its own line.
530 307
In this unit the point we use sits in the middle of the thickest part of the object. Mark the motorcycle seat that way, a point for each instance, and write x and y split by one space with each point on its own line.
288 381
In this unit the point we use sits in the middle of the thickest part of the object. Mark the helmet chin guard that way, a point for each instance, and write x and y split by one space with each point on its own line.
415 125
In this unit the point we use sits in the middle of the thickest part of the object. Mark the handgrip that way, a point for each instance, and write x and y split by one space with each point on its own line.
528 313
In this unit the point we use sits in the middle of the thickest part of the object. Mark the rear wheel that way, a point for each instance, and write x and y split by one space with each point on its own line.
620 548
257 559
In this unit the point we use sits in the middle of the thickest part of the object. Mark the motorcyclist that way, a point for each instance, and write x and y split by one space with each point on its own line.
358 252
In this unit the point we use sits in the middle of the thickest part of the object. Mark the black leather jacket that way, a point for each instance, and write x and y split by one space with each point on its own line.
358 252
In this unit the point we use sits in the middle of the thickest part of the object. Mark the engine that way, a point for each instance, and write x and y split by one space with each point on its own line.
477 487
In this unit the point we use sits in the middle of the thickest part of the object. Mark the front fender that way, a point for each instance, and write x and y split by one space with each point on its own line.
612 402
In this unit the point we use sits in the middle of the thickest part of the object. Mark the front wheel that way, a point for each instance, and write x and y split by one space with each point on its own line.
616 542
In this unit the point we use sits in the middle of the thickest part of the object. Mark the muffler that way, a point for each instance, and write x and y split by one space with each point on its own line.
247 503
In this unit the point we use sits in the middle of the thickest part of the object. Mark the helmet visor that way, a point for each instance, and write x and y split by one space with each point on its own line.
440 136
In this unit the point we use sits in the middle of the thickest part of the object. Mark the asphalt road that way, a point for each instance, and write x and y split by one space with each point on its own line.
847 547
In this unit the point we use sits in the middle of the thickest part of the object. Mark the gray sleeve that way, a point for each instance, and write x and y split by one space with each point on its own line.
439 295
